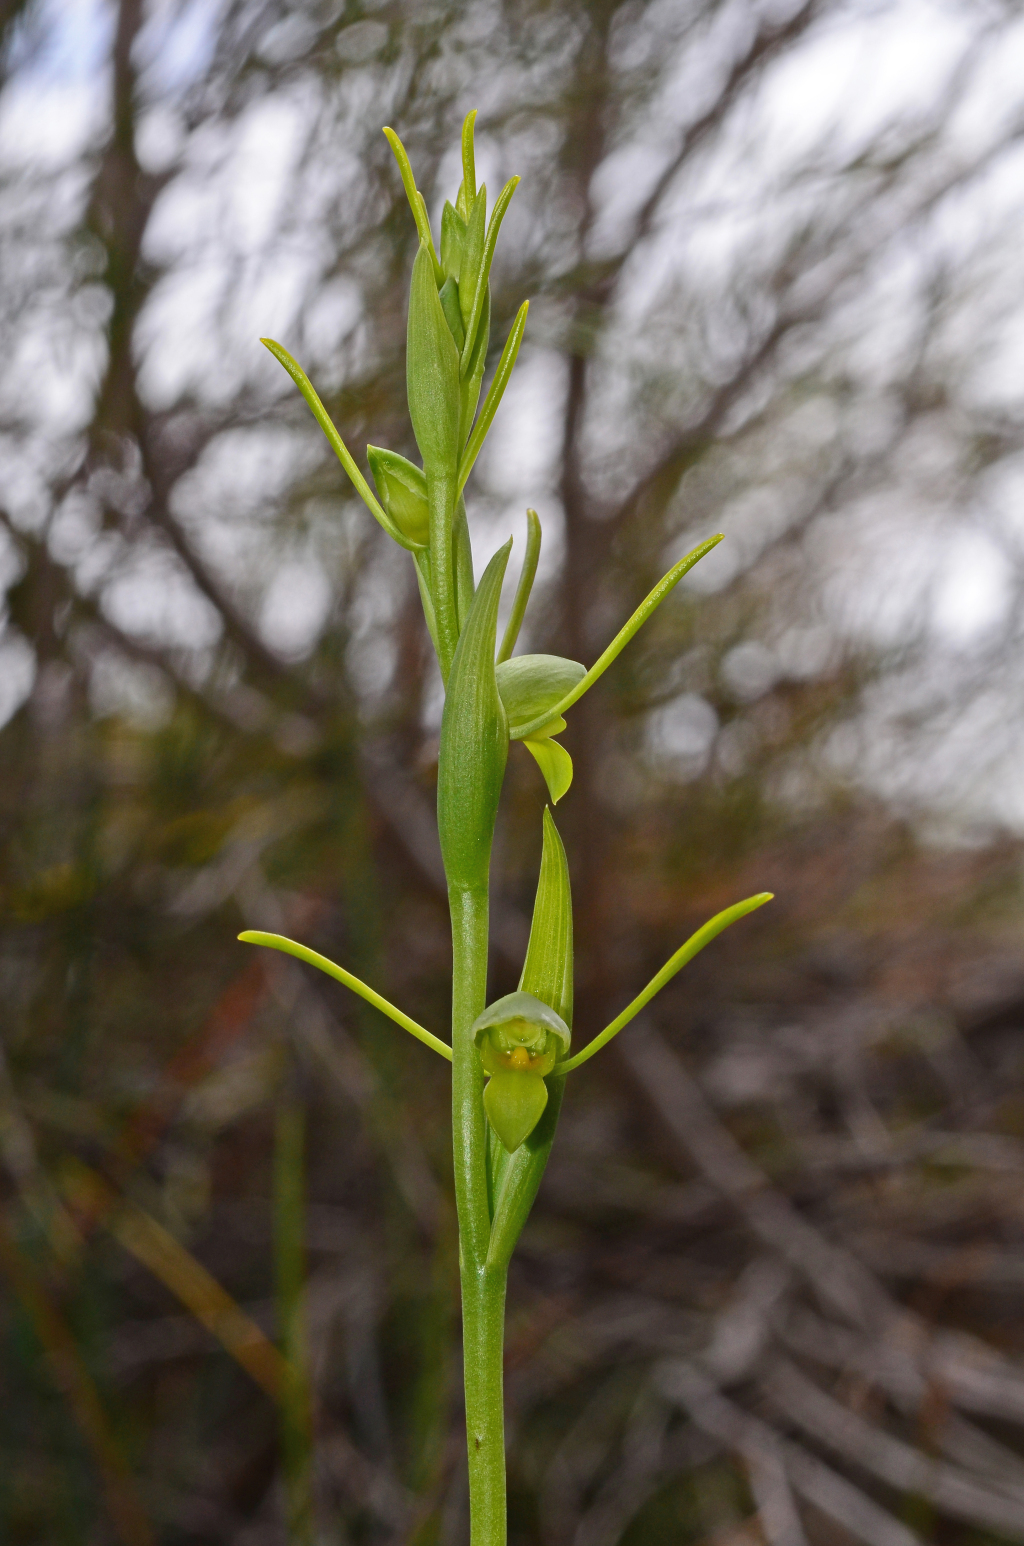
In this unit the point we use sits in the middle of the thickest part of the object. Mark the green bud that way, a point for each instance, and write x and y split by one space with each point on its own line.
453 240
529 684
520 1039
473 375
403 493
432 374
478 271
474 741
449 298
473 255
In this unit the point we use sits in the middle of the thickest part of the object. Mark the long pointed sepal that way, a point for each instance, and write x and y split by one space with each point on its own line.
313 958
415 197
685 953
650 603
525 586
495 393
336 443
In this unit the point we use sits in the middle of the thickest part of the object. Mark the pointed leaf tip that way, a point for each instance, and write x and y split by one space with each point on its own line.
685 953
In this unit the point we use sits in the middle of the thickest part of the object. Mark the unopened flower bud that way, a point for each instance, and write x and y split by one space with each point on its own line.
403 493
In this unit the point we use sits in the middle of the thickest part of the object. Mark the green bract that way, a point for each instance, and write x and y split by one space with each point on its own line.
474 742
432 373
509 1060
453 239
449 298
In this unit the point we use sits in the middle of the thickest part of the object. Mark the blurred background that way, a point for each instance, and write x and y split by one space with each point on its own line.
771 1290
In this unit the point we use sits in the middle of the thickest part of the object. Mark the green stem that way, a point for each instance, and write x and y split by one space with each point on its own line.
483 1338
483 1287
463 562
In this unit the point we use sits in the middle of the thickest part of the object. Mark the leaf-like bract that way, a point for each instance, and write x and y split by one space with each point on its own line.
474 741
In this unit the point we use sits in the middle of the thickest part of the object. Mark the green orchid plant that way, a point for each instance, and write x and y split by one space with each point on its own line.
510 1059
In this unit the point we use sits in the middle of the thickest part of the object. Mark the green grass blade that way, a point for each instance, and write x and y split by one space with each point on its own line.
312 958
525 586
73 1379
337 445
622 638
494 395
685 953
